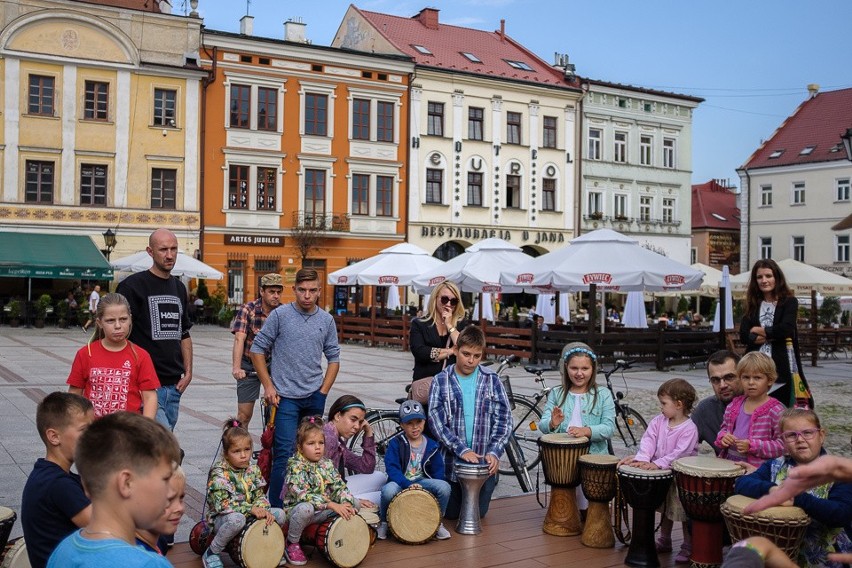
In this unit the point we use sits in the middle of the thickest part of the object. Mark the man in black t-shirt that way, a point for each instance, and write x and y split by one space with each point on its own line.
158 303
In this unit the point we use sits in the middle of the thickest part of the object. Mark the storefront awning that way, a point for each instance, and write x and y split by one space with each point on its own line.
37 255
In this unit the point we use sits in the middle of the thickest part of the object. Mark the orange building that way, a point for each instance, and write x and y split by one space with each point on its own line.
304 157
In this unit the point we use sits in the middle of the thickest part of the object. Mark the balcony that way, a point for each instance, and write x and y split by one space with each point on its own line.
331 222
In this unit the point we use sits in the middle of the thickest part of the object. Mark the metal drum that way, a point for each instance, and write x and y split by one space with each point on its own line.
471 477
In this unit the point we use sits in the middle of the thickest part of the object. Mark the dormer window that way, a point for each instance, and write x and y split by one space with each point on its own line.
806 151
719 217
471 57
421 49
776 154
519 65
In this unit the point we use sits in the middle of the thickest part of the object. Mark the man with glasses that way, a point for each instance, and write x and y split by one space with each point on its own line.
297 335
707 416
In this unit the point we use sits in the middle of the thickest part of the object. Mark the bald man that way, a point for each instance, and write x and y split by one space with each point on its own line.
158 303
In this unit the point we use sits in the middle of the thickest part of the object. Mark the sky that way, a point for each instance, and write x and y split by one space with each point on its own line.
750 60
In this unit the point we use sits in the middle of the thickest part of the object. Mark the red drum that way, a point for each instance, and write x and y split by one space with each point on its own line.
200 537
560 454
258 545
703 485
645 491
344 543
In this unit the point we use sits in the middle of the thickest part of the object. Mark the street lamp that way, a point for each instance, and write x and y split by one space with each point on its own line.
847 143
109 241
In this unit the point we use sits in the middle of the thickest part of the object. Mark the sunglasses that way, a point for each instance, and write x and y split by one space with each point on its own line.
791 436
448 300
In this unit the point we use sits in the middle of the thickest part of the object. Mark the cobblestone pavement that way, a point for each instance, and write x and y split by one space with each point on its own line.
34 362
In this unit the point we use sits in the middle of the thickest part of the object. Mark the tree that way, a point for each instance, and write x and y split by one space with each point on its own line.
307 238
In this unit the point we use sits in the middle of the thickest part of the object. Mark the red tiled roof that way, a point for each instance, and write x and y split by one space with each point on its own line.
712 197
447 43
818 122
843 224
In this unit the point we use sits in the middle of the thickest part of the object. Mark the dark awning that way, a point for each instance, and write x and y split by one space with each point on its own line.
38 255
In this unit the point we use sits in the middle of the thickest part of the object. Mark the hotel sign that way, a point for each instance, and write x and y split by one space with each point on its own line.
255 240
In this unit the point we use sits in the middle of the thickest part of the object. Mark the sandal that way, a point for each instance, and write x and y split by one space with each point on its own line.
683 556
664 544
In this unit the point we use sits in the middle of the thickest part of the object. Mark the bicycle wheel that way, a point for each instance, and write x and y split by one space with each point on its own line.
629 428
513 455
385 425
525 417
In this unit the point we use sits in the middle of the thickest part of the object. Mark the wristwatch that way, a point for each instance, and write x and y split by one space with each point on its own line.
452 329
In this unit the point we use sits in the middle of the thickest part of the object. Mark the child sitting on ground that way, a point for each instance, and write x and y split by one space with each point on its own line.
671 435
413 459
54 504
314 490
155 539
125 461
235 490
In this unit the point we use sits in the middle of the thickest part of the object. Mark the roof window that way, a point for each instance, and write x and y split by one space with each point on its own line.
806 151
776 154
719 217
421 49
471 57
519 65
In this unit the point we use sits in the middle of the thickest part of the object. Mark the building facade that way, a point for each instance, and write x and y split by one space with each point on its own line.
637 165
716 225
796 188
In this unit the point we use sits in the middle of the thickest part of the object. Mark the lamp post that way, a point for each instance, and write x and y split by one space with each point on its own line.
847 143
109 241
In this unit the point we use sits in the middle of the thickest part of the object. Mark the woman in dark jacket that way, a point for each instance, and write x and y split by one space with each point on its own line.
433 337
769 319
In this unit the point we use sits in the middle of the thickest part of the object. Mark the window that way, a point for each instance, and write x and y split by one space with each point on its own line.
620 147
384 121
163 188
474 188
164 107
799 249
435 124
360 119
842 248
549 138
693 255
360 194
842 190
421 49
39 182
41 95
266 188
766 196
776 154
434 186
316 115
619 209
513 128
646 208
595 136
668 210
669 153
267 109
646 150
765 247
595 204
471 57
314 197
799 193
513 192
384 196
807 150
238 181
475 120
240 106
236 273
96 101
548 194
93 182
519 65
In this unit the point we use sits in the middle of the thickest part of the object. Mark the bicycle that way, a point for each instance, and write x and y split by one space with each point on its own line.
629 423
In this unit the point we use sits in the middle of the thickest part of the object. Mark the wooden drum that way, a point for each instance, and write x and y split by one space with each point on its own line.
258 545
645 491
344 543
597 474
414 516
560 457
703 484
785 526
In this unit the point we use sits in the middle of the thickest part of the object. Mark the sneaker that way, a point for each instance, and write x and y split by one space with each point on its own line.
211 560
382 531
683 556
664 544
294 555
443 533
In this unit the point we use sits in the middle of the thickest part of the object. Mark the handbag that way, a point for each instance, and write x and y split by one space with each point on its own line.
800 393
419 389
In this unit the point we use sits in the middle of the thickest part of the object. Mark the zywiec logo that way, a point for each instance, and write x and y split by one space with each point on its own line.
674 280
525 278
492 289
388 280
126 364
342 279
437 280
597 278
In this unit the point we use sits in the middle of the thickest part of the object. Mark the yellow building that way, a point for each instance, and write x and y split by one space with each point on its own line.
101 115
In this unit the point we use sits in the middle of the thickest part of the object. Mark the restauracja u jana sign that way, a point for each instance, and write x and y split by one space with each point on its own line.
472 233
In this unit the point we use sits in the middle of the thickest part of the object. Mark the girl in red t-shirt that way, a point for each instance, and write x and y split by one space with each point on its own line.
112 372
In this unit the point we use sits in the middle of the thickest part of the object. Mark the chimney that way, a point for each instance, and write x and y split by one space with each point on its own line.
247 25
294 30
428 17
813 90
502 29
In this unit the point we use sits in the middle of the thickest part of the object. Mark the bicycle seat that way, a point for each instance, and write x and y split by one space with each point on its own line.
539 368
401 400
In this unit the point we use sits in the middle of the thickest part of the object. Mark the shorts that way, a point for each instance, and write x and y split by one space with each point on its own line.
248 389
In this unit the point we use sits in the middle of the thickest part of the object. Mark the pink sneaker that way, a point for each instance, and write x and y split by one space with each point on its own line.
294 555
684 554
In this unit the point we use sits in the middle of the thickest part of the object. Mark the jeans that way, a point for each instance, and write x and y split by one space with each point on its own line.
454 506
290 413
437 487
168 406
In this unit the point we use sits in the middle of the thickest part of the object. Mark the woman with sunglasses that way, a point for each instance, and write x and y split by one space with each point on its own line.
433 337
829 506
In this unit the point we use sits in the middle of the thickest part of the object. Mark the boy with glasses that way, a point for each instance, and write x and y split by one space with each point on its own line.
707 416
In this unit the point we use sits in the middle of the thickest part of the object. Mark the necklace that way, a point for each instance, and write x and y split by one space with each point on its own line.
306 316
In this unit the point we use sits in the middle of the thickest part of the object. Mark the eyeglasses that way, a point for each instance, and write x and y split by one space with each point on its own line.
792 435
448 300
729 378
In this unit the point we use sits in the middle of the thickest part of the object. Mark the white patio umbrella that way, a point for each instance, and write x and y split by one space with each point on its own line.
545 305
802 278
185 266
729 302
634 311
395 265
393 298
487 310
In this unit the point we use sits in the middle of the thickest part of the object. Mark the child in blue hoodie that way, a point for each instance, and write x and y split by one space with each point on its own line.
412 459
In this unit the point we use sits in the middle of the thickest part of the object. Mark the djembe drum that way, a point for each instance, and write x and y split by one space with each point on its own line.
785 526
560 455
600 484
16 555
344 543
414 516
703 484
471 477
645 491
7 521
258 545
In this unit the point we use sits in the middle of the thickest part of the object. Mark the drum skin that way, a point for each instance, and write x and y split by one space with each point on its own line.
414 516
258 545
16 555
785 526
344 543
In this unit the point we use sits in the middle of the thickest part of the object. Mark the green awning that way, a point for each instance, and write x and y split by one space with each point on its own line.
38 255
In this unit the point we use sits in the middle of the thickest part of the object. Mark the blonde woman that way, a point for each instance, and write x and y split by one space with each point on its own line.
433 336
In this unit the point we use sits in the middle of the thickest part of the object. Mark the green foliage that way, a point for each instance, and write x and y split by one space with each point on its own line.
515 312
225 315
14 307
202 291
217 300
829 310
42 304
682 304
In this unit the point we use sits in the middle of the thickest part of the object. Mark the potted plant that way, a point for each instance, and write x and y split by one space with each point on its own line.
596 215
62 314
13 311
43 306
